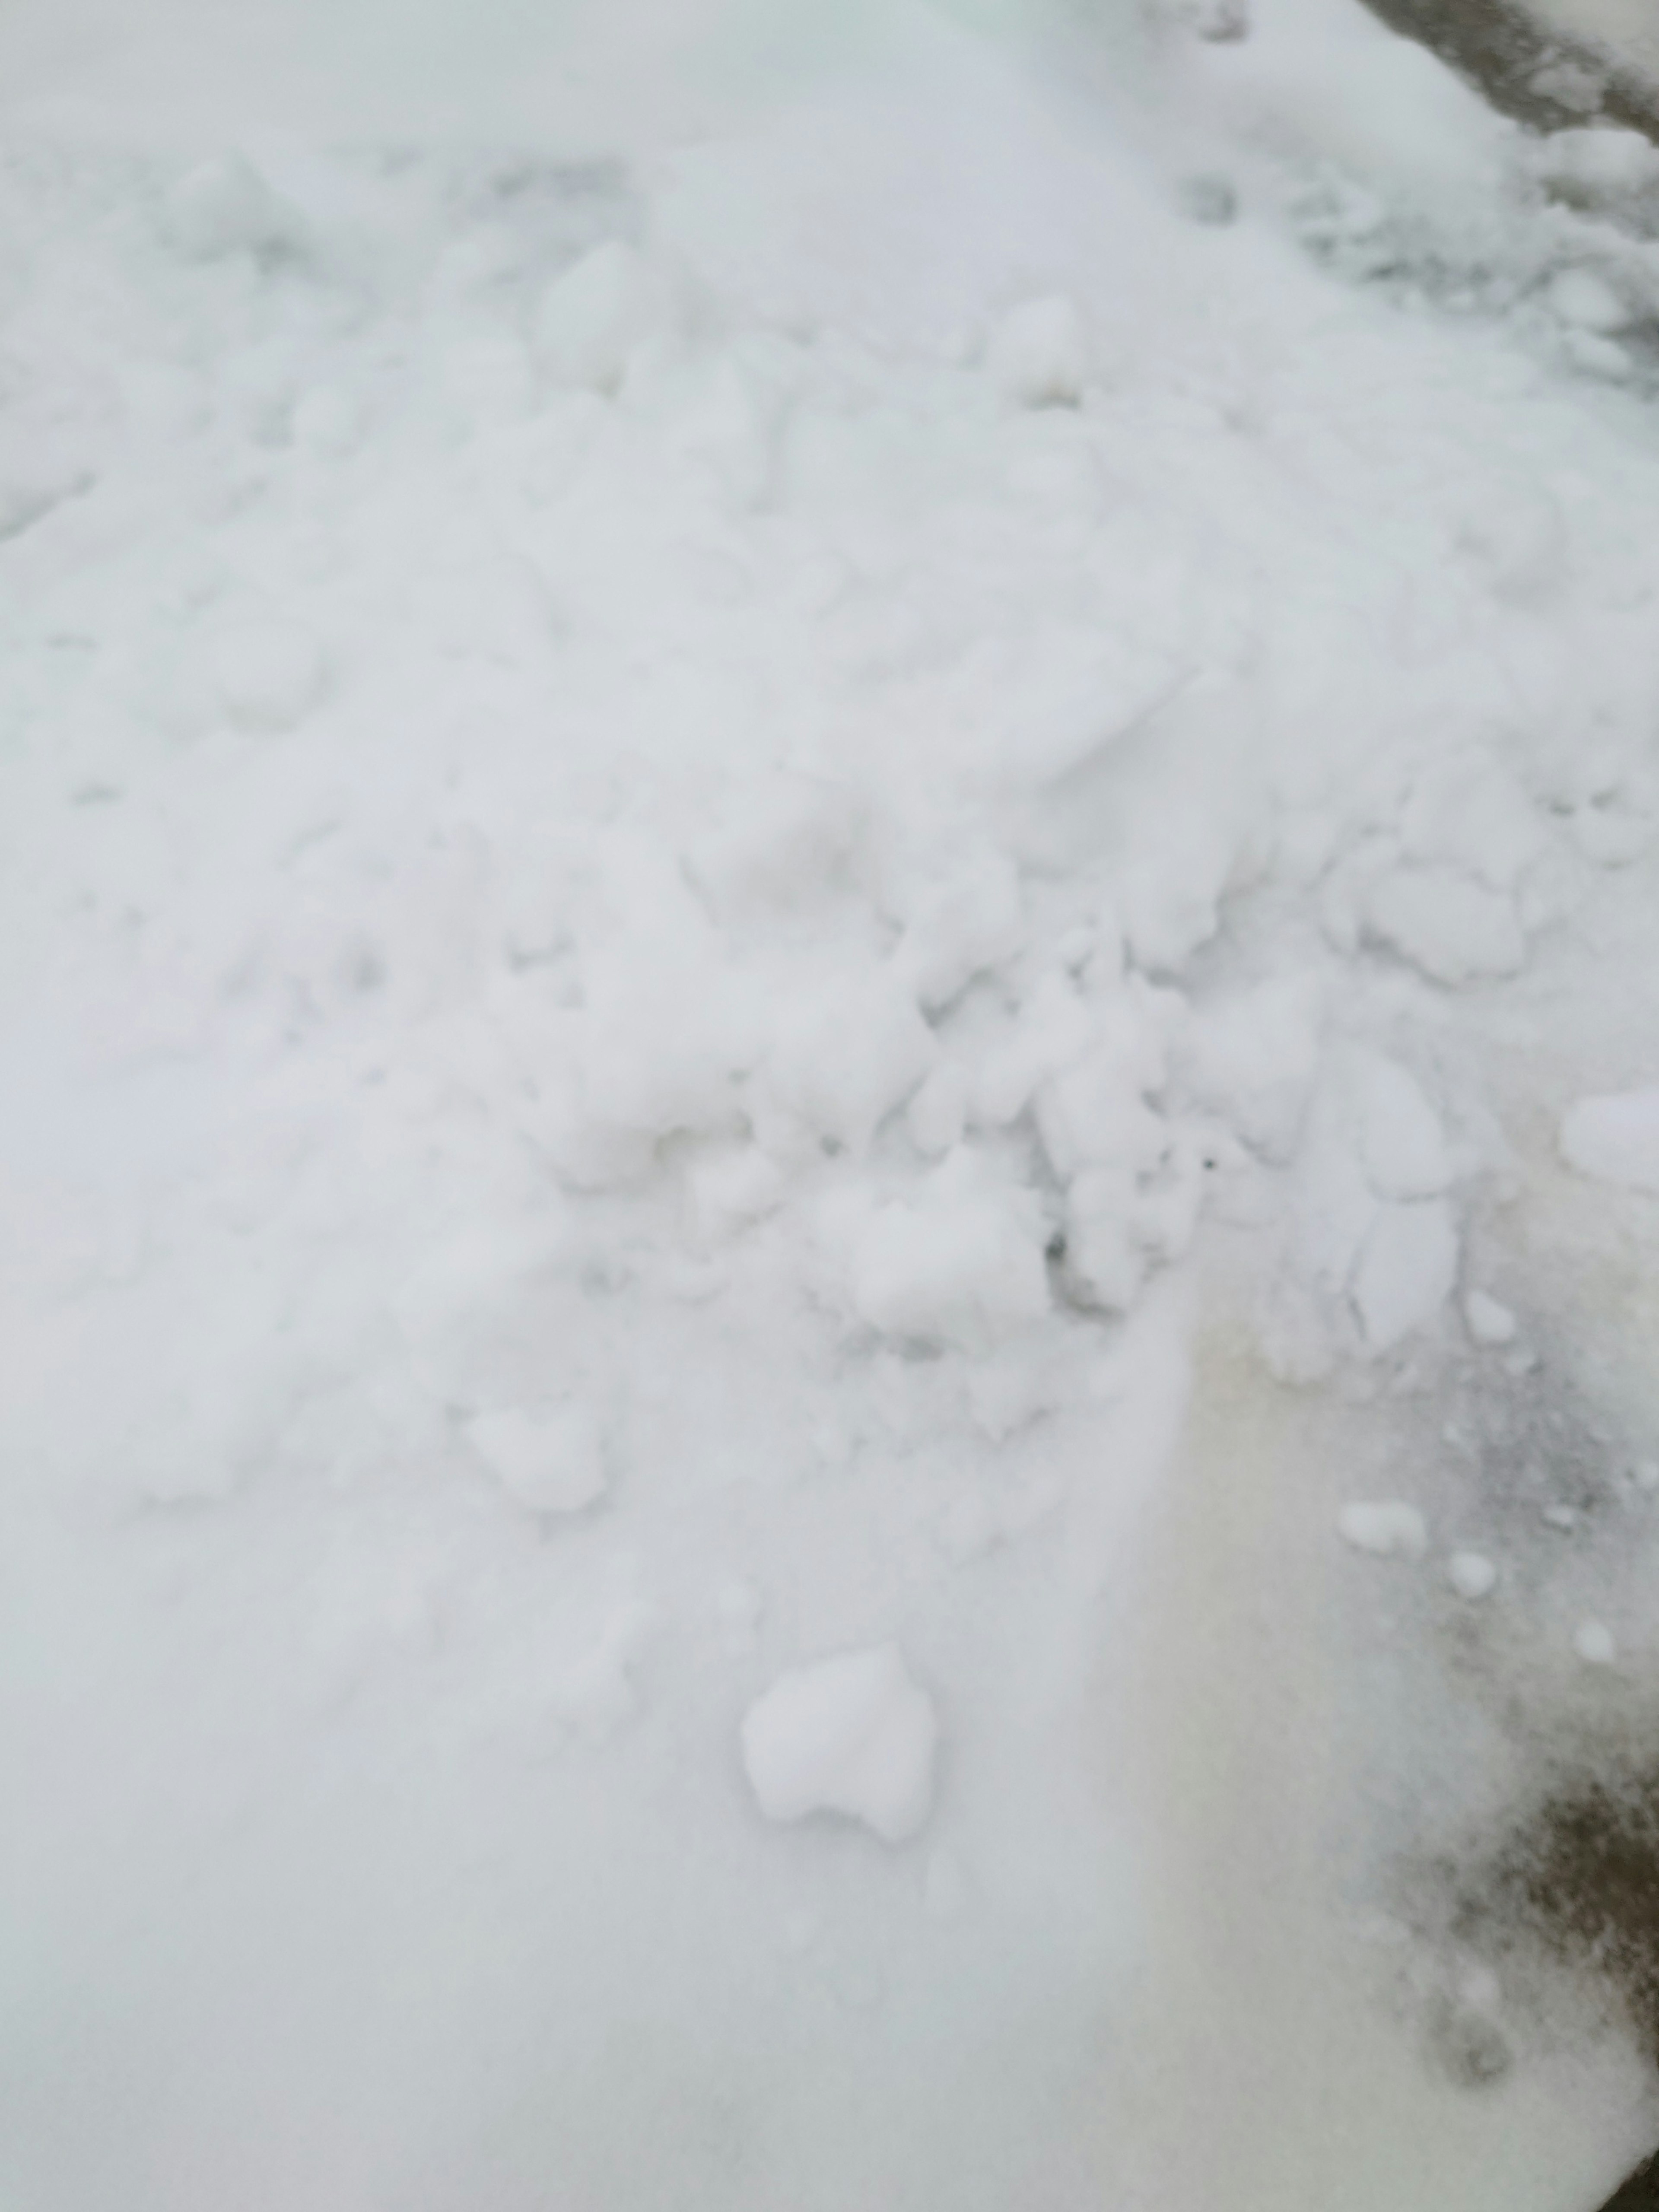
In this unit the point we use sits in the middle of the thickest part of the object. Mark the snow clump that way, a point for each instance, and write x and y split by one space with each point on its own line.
853 1734
1386 1527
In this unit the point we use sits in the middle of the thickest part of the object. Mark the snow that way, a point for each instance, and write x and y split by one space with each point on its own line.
1472 1575
1490 1321
596 315
550 1459
807 820
1593 1644
1386 1527
1039 353
853 1734
1614 1139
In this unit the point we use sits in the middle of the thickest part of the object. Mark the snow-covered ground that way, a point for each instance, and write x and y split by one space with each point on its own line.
829 1112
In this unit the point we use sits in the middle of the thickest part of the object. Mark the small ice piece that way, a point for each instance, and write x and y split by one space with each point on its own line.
1387 1527
595 315
225 206
1614 1139
1472 1574
551 1458
1038 355
1593 1644
1587 302
1489 1322
852 1734
268 675
1563 1517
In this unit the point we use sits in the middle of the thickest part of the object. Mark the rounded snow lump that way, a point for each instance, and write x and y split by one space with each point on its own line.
853 1734
1387 1527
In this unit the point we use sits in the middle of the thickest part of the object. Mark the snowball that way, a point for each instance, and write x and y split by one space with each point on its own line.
1589 302
1615 1139
1038 355
226 206
1387 1529
1401 1140
551 1458
963 1267
1471 1574
852 1734
849 1056
594 315
1408 1266
1489 1322
268 675
1446 924
1593 1644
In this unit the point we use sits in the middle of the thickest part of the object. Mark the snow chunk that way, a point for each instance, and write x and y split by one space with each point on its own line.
1386 1527
731 1189
1407 1269
1254 1058
1447 925
961 927
852 1734
1401 1140
225 206
1614 1139
1472 1575
1593 1644
268 675
551 1458
1038 355
963 1267
850 1056
1489 1322
595 315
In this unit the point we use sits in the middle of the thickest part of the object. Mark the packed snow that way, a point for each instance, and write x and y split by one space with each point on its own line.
830 843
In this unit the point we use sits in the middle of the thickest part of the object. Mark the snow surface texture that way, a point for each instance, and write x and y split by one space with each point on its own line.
729 856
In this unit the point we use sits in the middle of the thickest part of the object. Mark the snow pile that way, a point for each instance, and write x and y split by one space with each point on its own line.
688 850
